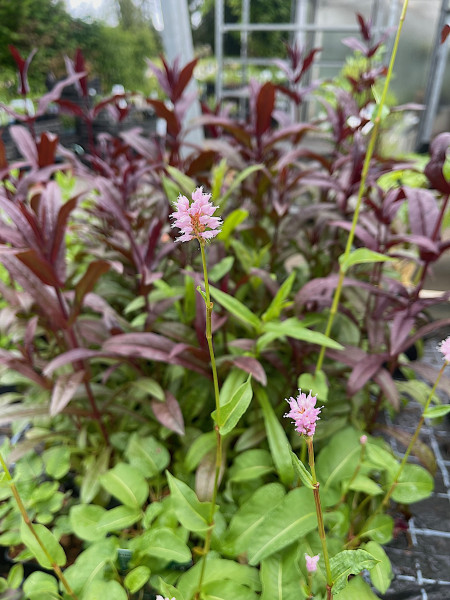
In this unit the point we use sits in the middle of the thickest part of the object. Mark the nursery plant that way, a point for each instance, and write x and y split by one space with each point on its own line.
147 453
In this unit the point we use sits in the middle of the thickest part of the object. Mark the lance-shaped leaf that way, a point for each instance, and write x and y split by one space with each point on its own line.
294 328
63 391
127 484
361 256
53 547
293 518
191 513
169 413
231 412
236 308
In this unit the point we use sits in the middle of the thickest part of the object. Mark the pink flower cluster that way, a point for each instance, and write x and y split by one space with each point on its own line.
194 219
444 347
304 413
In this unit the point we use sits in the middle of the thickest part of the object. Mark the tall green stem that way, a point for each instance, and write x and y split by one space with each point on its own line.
23 511
413 440
218 462
321 527
362 185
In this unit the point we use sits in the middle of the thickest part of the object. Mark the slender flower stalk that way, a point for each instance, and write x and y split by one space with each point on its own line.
23 511
362 185
195 221
305 415
444 347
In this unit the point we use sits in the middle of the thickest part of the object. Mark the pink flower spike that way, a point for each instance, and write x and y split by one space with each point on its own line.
363 440
304 413
444 347
195 220
311 563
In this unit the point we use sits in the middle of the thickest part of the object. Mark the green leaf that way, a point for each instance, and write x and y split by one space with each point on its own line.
232 411
40 586
95 467
84 519
90 564
149 387
414 484
57 461
169 591
382 459
105 589
221 268
187 184
381 574
251 465
137 578
280 448
349 562
147 454
246 522
360 256
198 449
279 301
118 519
357 589
294 328
127 484
49 541
434 412
191 513
362 483
164 544
220 570
218 175
301 471
236 308
238 180
379 529
280 576
292 518
316 383
233 220
337 462
227 590
15 576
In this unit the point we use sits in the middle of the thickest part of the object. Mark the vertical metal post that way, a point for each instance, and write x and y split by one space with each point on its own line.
244 49
177 42
435 78
219 18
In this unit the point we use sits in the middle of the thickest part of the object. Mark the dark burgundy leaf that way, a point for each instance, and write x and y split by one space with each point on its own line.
55 93
265 104
46 149
363 371
95 270
444 33
402 325
183 80
39 266
386 383
80 67
173 126
364 27
22 66
72 356
63 391
70 107
434 169
423 211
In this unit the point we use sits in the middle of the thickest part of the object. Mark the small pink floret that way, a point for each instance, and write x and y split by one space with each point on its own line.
363 440
444 347
311 563
303 413
195 220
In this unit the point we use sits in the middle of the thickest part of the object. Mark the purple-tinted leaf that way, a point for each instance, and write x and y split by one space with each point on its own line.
183 79
444 33
229 125
60 228
363 371
142 145
355 44
368 240
419 240
264 108
423 211
71 108
25 143
26 369
434 169
297 130
63 391
402 325
386 383
173 126
252 366
3 159
424 331
22 66
169 413
56 92
95 270
161 77
72 356
41 267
